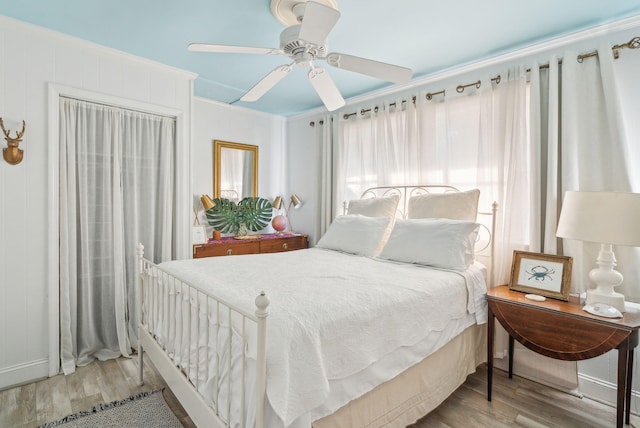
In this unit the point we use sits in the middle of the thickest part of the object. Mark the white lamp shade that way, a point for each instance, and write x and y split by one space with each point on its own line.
602 217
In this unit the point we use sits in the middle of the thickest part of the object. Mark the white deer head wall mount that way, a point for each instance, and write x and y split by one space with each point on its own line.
12 154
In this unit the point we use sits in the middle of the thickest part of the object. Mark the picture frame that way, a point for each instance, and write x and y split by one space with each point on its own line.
547 275
199 235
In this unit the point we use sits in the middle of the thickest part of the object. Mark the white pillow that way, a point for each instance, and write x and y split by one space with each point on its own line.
375 207
454 205
441 243
355 234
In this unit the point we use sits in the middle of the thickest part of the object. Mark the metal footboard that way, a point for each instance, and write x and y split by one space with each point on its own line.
200 344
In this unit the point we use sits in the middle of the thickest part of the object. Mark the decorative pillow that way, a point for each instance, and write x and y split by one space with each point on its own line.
355 234
456 205
441 243
375 207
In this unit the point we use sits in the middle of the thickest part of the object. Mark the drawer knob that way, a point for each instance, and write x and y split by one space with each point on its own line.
229 252
285 245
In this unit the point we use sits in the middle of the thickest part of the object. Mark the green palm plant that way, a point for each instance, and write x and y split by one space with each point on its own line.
250 213
255 213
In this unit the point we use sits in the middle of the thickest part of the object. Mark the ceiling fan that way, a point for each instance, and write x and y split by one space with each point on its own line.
304 41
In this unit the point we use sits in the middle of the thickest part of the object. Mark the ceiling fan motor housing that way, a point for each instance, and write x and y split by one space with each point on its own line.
300 50
290 12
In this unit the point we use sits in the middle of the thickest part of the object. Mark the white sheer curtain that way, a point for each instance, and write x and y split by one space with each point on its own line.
477 139
117 186
371 150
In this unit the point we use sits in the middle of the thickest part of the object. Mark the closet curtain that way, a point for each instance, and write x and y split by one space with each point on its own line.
117 186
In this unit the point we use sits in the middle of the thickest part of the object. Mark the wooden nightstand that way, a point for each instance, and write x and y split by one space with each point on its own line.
268 243
562 330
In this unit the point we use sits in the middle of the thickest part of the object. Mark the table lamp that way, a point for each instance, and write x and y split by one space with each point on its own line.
607 218
278 203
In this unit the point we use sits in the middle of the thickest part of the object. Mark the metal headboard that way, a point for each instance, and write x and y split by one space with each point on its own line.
485 245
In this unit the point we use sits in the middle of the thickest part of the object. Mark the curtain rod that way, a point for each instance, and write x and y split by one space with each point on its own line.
460 89
634 43
115 106
631 44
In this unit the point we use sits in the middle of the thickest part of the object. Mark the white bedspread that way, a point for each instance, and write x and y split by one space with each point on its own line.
333 314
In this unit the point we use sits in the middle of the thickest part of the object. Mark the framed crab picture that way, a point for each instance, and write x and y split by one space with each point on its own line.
544 274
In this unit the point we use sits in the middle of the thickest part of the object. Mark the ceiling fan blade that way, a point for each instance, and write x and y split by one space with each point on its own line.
317 22
381 70
267 82
206 47
326 89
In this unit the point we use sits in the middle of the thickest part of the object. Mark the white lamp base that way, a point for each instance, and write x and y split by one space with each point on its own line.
606 278
597 295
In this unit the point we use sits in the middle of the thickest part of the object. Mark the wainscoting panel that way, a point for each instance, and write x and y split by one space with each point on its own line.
24 373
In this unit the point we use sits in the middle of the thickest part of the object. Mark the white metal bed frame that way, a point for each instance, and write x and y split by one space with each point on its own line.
176 376
173 368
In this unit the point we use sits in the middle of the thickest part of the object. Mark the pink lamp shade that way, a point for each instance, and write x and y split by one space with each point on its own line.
279 223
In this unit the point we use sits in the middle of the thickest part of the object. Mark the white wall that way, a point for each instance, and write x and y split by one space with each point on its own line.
33 57
303 169
217 121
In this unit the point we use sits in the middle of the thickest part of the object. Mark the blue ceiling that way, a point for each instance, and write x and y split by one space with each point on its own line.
426 36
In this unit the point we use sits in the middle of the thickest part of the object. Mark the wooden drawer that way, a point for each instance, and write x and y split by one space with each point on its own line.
226 249
289 243
261 244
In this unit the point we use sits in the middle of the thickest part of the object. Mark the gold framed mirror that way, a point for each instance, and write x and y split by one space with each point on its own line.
235 170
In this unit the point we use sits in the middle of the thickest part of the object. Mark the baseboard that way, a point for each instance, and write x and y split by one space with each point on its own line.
23 373
604 391
560 375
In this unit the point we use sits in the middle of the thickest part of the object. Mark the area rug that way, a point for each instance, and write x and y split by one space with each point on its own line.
146 409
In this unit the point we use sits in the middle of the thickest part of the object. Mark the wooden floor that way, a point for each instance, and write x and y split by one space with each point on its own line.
99 382
516 402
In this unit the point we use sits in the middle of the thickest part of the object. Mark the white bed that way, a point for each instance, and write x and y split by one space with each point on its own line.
350 340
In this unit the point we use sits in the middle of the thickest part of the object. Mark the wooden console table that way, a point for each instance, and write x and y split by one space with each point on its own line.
562 330
267 243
